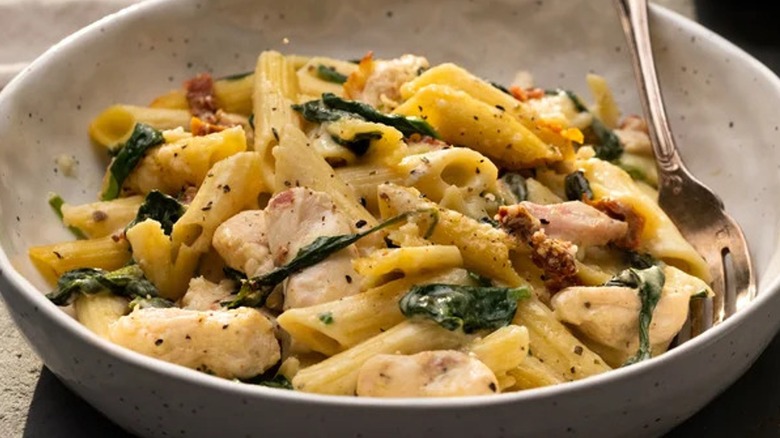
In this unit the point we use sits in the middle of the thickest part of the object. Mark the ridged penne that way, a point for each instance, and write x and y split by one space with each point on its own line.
53 260
115 124
99 219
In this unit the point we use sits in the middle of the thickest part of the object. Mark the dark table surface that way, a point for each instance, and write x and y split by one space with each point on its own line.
749 408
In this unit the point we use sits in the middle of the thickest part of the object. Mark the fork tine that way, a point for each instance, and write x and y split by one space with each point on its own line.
742 280
715 261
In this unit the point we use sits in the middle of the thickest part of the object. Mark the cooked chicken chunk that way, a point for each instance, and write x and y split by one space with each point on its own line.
383 84
295 218
205 295
609 316
230 343
577 222
441 373
242 241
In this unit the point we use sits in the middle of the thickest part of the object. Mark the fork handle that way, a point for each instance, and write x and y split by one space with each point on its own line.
633 18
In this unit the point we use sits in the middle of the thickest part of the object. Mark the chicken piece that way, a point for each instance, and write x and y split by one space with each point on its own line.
234 344
626 213
205 295
634 136
554 256
577 222
609 315
382 87
242 241
295 218
443 373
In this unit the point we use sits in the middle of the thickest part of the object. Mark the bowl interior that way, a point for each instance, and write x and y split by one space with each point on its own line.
720 102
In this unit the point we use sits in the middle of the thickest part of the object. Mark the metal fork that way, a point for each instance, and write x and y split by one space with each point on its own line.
698 213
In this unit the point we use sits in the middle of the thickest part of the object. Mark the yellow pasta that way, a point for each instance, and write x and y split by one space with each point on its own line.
338 374
98 311
390 207
502 351
297 165
660 236
172 167
115 124
554 344
358 317
463 120
100 219
275 90
53 260
311 82
484 249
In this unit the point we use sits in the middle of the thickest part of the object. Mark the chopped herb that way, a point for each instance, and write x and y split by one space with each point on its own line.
360 143
237 76
606 143
577 187
128 156
160 207
329 74
277 381
500 87
649 283
252 121
480 279
331 108
326 318
255 291
700 294
56 202
471 308
516 184
490 221
128 281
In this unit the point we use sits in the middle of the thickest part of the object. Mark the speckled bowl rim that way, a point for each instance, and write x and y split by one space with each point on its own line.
23 286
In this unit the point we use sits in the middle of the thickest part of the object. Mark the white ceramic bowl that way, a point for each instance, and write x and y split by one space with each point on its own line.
723 105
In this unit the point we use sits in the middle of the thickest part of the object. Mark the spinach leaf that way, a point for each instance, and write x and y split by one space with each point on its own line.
577 187
329 74
316 111
128 281
360 143
160 207
255 291
516 184
56 202
471 308
650 283
331 107
607 144
129 155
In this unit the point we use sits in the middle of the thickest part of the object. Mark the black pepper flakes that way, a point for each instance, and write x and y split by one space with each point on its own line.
578 350
158 342
348 278
361 223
